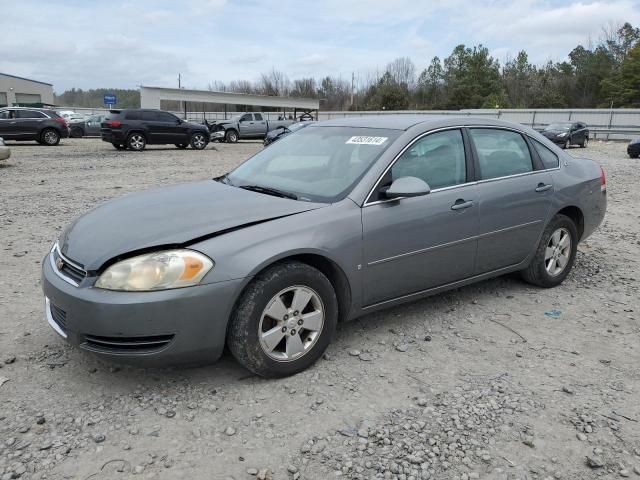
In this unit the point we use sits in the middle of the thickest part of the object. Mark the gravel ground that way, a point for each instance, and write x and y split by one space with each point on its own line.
496 380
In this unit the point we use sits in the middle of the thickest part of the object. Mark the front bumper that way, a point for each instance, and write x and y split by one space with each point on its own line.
146 329
219 135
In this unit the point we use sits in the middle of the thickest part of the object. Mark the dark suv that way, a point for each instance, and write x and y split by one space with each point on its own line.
134 129
40 124
566 134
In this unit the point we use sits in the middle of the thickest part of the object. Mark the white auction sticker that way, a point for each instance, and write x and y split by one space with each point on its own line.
362 140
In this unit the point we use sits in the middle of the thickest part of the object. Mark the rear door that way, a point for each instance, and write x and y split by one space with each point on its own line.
260 125
514 193
28 123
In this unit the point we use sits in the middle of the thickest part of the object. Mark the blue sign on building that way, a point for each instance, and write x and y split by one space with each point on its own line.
109 99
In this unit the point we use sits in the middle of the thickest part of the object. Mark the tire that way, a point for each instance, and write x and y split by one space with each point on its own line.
182 146
275 286
136 142
567 144
585 142
635 155
231 136
538 272
198 141
76 132
119 146
49 137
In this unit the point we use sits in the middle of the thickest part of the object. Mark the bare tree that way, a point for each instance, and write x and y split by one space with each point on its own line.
274 83
403 71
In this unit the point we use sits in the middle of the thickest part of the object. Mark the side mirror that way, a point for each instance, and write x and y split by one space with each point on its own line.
407 187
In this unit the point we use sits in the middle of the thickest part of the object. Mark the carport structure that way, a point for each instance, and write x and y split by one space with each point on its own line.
150 97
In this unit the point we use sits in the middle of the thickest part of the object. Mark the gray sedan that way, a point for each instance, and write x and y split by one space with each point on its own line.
344 218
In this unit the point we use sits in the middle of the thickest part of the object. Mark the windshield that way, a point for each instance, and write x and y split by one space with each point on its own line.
558 126
318 164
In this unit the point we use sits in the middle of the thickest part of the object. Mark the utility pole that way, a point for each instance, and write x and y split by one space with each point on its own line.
352 81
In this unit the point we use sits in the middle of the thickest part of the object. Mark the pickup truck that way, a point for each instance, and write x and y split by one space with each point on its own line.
245 125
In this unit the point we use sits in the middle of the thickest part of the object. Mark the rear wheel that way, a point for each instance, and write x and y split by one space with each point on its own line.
76 132
50 137
284 320
585 142
555 254
136 141
231 136
198 141
182 146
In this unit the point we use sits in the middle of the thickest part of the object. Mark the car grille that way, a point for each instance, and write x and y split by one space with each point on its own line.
127 344
59 316
66 268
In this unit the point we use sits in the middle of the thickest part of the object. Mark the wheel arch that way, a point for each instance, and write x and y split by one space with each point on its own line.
330 268
576 215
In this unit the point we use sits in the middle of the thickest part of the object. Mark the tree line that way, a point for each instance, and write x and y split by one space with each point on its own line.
604 74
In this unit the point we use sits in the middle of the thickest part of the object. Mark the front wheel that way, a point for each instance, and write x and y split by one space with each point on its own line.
555 254
50 137
136 141
284 320
198 141
584 143
231 136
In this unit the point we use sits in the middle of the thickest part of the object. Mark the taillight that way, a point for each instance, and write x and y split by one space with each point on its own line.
603 180
61 120
113 123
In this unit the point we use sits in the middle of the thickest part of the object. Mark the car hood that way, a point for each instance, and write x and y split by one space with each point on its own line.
170 216
552 133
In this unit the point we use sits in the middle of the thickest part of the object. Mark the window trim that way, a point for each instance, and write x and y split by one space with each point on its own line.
534 162
470 180
543 166
473 180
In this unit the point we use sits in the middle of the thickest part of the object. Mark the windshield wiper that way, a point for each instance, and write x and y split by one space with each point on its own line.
270 191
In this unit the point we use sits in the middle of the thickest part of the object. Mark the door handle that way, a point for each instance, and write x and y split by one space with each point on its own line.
461 204
543 188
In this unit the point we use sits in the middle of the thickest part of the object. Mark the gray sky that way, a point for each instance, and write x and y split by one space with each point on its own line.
122 44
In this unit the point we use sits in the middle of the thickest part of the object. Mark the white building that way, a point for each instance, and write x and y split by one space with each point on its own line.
23 91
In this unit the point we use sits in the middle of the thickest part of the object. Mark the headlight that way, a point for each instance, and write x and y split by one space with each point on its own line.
562 135
156 271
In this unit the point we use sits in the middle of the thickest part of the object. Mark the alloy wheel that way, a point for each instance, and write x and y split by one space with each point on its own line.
558 252
50 137
198 141
136 142
291 323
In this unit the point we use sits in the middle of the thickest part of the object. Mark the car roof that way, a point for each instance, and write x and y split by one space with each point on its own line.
406 121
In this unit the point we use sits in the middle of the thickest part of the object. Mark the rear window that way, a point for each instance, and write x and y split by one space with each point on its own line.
549 159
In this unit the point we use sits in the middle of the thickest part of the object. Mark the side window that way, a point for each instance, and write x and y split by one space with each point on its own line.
134 115
247 118
5 114
501 152
258 117
166 117
549 159
438 159
28 114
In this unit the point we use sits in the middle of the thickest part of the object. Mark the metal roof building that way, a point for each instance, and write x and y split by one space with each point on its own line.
24 91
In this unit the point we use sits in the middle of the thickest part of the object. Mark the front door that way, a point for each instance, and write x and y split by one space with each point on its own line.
247 126
7 124
514 198
414 244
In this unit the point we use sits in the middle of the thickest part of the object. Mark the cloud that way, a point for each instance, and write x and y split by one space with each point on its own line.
124 43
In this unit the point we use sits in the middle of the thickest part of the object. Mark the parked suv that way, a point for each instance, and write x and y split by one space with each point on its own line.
134 129
39 124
